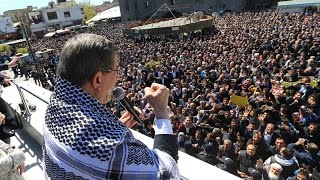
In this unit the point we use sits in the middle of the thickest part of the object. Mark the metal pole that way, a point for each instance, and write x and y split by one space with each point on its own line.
27 39
154 14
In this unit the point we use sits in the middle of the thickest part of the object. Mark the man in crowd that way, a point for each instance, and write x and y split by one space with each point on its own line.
261 60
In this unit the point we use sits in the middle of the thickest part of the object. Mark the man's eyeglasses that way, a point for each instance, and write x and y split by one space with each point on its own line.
110 70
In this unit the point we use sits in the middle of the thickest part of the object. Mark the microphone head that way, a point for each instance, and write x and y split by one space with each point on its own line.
118 93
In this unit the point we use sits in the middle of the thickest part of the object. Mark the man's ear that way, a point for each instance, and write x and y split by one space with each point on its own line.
96 80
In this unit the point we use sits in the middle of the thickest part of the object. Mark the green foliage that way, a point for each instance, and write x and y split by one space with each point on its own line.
89 12
5 48
152 64
22 50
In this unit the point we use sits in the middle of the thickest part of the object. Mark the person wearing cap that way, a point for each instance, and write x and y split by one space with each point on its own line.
181 139
287 161
272 172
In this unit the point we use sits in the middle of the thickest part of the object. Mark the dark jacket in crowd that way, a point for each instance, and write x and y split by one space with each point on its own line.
246 161
304 156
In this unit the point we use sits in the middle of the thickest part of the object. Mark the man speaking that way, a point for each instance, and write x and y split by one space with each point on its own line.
82 138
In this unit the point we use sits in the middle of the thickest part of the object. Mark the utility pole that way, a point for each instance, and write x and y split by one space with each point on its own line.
27 39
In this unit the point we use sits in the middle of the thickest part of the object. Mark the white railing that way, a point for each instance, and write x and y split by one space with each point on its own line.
190 167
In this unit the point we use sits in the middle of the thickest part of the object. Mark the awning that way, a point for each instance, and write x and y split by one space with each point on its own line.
50 34
60 31
299 3
107 14
16 24
16 41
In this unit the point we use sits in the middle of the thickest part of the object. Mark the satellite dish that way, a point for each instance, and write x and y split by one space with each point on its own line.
197 16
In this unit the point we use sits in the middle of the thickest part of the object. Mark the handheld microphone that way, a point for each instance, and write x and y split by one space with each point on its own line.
118 94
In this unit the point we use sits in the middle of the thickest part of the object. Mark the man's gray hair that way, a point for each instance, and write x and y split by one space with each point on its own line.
83 55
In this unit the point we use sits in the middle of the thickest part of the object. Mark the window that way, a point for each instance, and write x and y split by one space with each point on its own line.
66 14
39 17
146 4
52 15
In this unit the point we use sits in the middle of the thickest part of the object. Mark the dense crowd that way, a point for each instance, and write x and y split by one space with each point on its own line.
271 59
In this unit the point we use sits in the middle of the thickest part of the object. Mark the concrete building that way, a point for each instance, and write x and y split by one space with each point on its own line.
142 9
18 14
54 18
7 30
61 17
298 5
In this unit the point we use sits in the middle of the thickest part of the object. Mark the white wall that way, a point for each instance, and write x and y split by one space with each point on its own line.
38 27
75 14
290 9
33 14
6 25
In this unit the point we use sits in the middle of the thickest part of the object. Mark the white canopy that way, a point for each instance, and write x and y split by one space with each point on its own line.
50 34
107 14
297 5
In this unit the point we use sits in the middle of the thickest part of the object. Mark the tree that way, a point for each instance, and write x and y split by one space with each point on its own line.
88 11
23 50
5 48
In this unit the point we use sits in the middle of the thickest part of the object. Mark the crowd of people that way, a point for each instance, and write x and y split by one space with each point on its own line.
269 58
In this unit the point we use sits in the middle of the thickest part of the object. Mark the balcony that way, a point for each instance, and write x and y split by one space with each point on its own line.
38 27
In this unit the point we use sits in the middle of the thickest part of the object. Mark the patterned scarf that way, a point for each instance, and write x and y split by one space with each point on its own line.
83 140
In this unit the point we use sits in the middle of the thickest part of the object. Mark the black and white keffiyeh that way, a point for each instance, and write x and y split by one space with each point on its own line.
83 140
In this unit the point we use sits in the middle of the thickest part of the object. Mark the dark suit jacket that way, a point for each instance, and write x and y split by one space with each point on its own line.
230 154
166 81
157 74
3 67
273 138
272 150
178 74
166 143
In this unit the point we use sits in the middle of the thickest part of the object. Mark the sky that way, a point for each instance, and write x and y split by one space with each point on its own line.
19 4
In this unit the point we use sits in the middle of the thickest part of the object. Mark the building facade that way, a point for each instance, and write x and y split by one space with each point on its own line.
142 9
54 18
18 14
61 17
7 30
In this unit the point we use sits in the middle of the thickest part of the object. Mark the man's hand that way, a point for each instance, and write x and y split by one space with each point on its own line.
13 62
157 96
128 119
300 141
21 169
2 119
259 164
